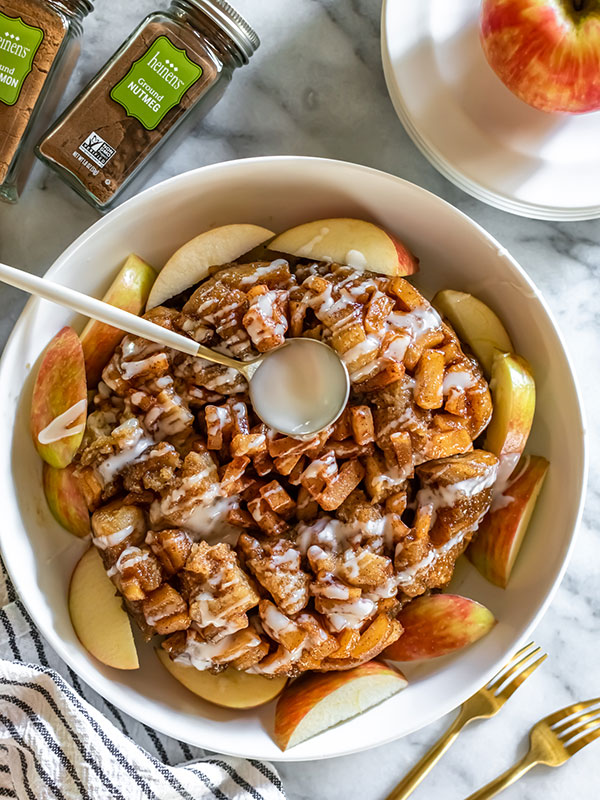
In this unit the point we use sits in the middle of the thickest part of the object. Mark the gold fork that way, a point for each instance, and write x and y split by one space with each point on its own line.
552 741
483 704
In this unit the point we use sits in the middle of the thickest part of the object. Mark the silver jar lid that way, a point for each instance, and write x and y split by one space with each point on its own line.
227 18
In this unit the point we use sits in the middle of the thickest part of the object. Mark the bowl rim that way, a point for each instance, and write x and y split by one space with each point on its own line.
90 676
481 191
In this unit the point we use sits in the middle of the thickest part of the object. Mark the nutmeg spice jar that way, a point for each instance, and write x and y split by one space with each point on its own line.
39 45
174 67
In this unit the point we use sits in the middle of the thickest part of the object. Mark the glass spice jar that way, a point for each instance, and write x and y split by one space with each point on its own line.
39 46
173 68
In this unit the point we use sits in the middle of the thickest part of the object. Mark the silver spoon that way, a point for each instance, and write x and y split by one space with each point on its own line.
298 388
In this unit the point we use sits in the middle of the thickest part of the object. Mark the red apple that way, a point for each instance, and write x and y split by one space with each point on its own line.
65 500
348 241
501 533
546 51
513 394
129 291
437 625
317 701
59 401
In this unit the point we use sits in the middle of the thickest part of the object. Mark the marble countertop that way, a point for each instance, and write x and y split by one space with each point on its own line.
316 87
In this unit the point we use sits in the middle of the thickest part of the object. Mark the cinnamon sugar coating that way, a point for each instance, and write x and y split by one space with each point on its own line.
268 553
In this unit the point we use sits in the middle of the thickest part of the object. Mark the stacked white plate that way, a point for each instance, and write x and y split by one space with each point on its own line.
473 129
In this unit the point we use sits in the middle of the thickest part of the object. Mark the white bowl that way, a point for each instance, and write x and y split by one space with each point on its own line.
455 252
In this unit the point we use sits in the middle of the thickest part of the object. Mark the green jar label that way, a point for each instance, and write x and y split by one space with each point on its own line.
18 45
156 82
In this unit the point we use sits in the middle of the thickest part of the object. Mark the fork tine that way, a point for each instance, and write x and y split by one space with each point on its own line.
511 687
575 746
575 721
514 667
569 711
508 664
513 660
521 651
588 726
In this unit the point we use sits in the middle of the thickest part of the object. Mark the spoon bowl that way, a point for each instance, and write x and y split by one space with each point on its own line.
300 387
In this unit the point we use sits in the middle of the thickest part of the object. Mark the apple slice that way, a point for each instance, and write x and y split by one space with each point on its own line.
99 619
230 689
129 291
495 549
59 402
318 701
65 500
437 625
513 395
476 325
348 241
191 262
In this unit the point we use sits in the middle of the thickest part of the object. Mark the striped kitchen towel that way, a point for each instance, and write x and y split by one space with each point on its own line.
59 740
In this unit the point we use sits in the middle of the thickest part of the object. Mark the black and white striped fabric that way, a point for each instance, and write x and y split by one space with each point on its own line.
59 740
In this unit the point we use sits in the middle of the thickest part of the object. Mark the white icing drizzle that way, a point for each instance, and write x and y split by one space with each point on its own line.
112 539
446 496
508 464
354 258
393 477
396 349
369 345
325 467
116 463
129 557
129 369
265 320
330 588
407 575
307 248
277 624
290 556
260 272
287 657
59 427
205 616
457 380
201 655
351 614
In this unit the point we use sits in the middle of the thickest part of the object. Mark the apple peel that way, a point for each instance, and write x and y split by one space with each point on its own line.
513 394
352 242
129 291
59 401
318 701
65 500
502 531
439 624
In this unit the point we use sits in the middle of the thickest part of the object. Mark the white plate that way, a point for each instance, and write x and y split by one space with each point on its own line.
473 129
279 192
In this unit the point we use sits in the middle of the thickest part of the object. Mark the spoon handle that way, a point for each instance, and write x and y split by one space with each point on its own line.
247 368
104 312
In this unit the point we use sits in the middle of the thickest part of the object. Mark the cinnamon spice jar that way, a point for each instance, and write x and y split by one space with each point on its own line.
174 67
39 45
